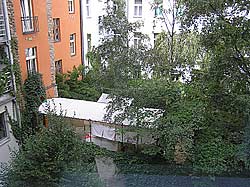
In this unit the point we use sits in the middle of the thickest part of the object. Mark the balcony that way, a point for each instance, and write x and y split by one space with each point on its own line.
5 73
2 27
5 81
8 86
30 24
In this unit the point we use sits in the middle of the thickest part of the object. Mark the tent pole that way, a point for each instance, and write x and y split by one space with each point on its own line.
90 133
122 140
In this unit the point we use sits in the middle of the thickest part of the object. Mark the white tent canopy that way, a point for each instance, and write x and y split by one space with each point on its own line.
95 112
86 110
72 108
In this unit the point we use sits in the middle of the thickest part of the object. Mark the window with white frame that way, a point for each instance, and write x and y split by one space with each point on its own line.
27 16
72 44
3 127
71 5
56 30
58 65
31 60
138 8
88 42
88 8
137 40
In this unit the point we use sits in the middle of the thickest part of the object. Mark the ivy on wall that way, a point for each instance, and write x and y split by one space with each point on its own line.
33 94
4 71
17 72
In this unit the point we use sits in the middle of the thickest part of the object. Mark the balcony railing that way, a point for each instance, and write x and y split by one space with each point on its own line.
2 28
30 24
8 87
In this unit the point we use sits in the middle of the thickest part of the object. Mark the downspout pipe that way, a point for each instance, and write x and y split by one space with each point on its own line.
11 59
82 37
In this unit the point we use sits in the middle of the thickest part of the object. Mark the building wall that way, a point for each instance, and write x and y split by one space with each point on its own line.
69 24
7 101
90 24
49 51
8 144
38 39
152 24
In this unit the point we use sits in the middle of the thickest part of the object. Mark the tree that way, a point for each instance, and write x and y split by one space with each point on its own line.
224 29
34 95
119 60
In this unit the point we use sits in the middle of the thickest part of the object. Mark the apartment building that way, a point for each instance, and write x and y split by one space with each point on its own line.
66 34
136 10
8 106
49 38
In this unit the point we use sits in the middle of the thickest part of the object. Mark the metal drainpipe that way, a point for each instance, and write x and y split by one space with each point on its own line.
127 9
82 37
8 37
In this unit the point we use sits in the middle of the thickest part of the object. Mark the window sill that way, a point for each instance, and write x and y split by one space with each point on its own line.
137 17
56 41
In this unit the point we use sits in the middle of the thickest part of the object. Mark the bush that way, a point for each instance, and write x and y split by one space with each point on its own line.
46 155
214 157
69 86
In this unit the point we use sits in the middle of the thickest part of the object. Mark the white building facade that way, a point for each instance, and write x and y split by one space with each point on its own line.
8 105
136 10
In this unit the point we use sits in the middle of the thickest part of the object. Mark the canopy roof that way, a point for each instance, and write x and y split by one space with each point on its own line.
86 110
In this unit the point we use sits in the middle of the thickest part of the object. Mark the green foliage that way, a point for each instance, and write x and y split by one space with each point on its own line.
70 86
186 53
5 71
215 157
34 95
204 117
34 92
46 155
118 59
243 149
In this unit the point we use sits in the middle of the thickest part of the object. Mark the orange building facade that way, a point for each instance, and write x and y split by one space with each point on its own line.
49 38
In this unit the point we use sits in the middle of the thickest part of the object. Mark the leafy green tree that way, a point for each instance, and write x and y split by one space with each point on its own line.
223 28
34 95
119 59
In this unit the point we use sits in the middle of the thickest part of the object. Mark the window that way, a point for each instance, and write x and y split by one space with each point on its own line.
31 61
155 37
2 24
100 29
158 11
88 8
56 30
71 5
29 22
89 41
137 40
3 127
58 65
138 8
72 43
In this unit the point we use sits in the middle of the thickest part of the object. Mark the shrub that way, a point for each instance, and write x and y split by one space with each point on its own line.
45 156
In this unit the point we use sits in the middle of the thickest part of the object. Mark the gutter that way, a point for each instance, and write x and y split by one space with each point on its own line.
8 37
